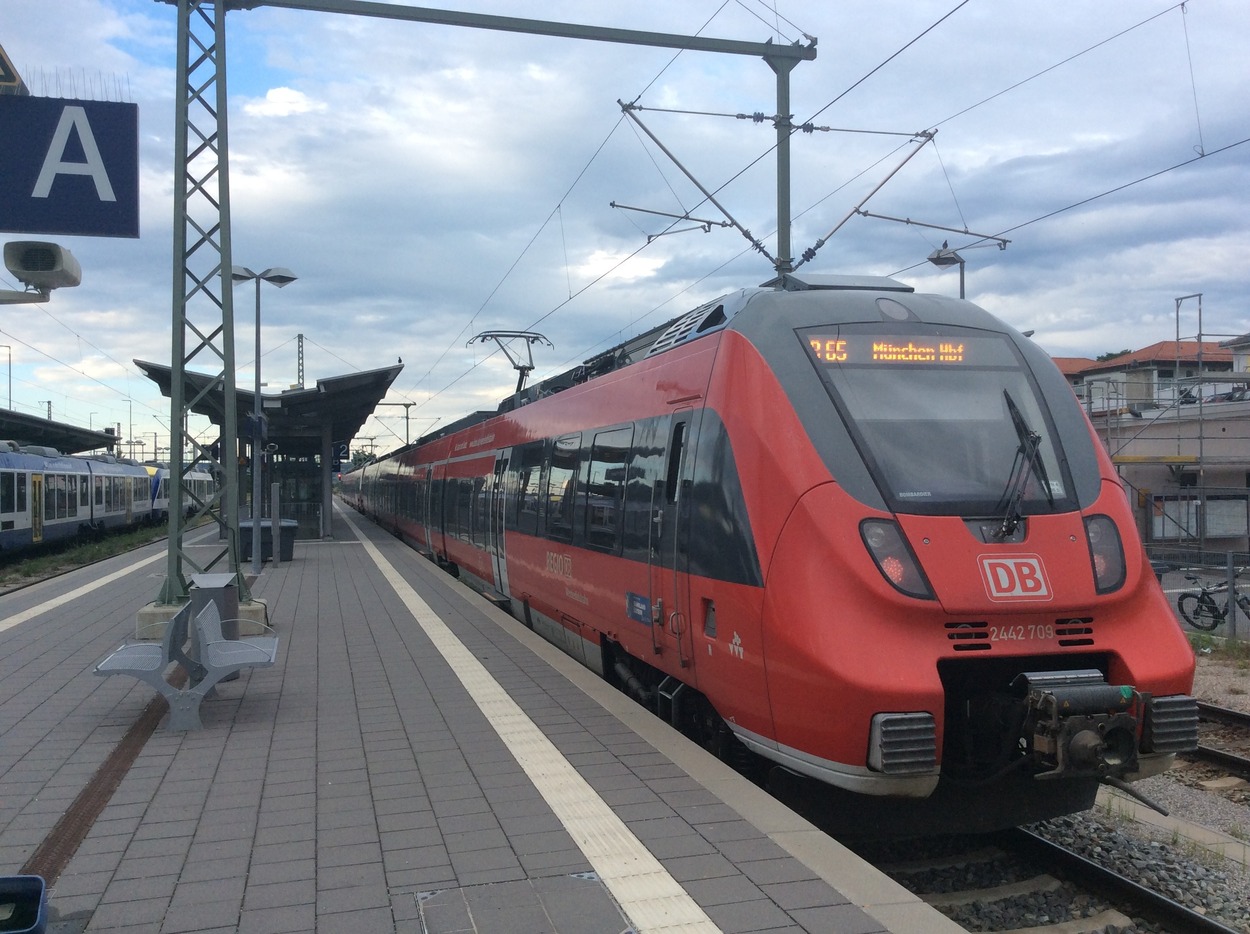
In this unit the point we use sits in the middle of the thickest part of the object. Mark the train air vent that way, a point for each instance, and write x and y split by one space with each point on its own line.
969 637
700 321
1171 724
1074 631
902 743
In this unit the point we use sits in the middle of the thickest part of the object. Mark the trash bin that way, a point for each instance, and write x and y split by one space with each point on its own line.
23 905
245 540
286 534
220 589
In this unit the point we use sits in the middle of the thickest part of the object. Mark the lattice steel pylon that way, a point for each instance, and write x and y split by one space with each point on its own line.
203 311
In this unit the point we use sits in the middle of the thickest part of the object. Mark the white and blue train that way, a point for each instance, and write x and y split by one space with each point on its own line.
48 497
198 480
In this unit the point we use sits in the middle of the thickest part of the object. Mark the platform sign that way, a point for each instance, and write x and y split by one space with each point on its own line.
69 167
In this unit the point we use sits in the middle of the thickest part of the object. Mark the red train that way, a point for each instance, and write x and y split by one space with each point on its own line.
837 530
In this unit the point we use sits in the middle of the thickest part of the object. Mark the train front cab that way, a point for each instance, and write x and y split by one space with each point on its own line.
961 611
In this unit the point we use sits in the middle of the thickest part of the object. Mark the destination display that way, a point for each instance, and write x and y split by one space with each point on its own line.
879 349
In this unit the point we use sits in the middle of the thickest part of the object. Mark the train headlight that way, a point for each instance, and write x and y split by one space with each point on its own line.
1106 553
894 559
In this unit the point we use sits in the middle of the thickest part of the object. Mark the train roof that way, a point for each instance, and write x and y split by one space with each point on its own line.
466 421
28 455
707 318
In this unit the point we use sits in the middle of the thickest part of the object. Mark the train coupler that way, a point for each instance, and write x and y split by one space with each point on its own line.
1077 725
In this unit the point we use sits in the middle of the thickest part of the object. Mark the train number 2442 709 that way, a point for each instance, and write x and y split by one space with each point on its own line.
1021 632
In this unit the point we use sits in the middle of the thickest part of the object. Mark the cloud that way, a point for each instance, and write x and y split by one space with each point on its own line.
282 102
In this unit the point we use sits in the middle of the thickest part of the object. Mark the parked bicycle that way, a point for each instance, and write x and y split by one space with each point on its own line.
1200 607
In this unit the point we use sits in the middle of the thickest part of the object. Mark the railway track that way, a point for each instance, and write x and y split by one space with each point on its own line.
1017 880
1224 739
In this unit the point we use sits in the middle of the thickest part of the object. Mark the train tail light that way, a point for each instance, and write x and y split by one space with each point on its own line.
894 558
1106 553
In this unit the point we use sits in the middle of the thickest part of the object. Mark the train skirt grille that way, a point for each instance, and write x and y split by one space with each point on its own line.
1171 724
903 743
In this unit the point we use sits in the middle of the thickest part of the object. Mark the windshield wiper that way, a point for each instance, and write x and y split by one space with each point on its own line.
1028 460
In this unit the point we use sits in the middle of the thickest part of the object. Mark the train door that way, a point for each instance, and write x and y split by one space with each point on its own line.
495 529
670 591
36 507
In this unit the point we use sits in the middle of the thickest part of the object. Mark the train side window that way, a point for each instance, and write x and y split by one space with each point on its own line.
71 496
8 492
438 516
51 486
99 491
481 511
529 487
464 508
646 468
676 454
561 486
605 487
420 490
21 493
451 506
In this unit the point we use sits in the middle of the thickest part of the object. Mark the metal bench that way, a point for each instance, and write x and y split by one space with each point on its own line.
148 661
221 656
211 659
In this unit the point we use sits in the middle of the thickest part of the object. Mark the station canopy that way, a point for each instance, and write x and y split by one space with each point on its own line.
297 418
44 432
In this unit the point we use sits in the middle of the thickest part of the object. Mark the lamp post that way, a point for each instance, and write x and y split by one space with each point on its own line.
280 277
948 257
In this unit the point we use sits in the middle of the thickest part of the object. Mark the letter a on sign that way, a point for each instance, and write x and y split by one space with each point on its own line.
75 119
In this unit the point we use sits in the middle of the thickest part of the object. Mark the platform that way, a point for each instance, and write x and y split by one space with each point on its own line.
417 761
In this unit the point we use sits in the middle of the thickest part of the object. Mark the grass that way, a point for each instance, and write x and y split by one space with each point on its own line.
1228 651
38 566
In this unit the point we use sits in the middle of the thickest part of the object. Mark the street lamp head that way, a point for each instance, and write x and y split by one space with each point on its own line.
279 276
945 257
276 275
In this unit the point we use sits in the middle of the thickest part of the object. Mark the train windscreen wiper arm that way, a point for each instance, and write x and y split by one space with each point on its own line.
1028 459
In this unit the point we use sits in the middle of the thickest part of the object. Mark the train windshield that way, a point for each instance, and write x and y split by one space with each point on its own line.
947 418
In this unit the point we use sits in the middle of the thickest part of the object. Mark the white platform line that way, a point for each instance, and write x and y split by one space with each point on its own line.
48 605
649 896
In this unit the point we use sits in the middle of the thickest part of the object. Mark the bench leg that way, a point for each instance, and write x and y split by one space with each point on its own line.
184 712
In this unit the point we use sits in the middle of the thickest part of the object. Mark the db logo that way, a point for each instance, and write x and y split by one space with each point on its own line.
1015 577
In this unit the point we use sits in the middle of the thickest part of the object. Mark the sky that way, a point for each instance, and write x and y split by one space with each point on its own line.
427 183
